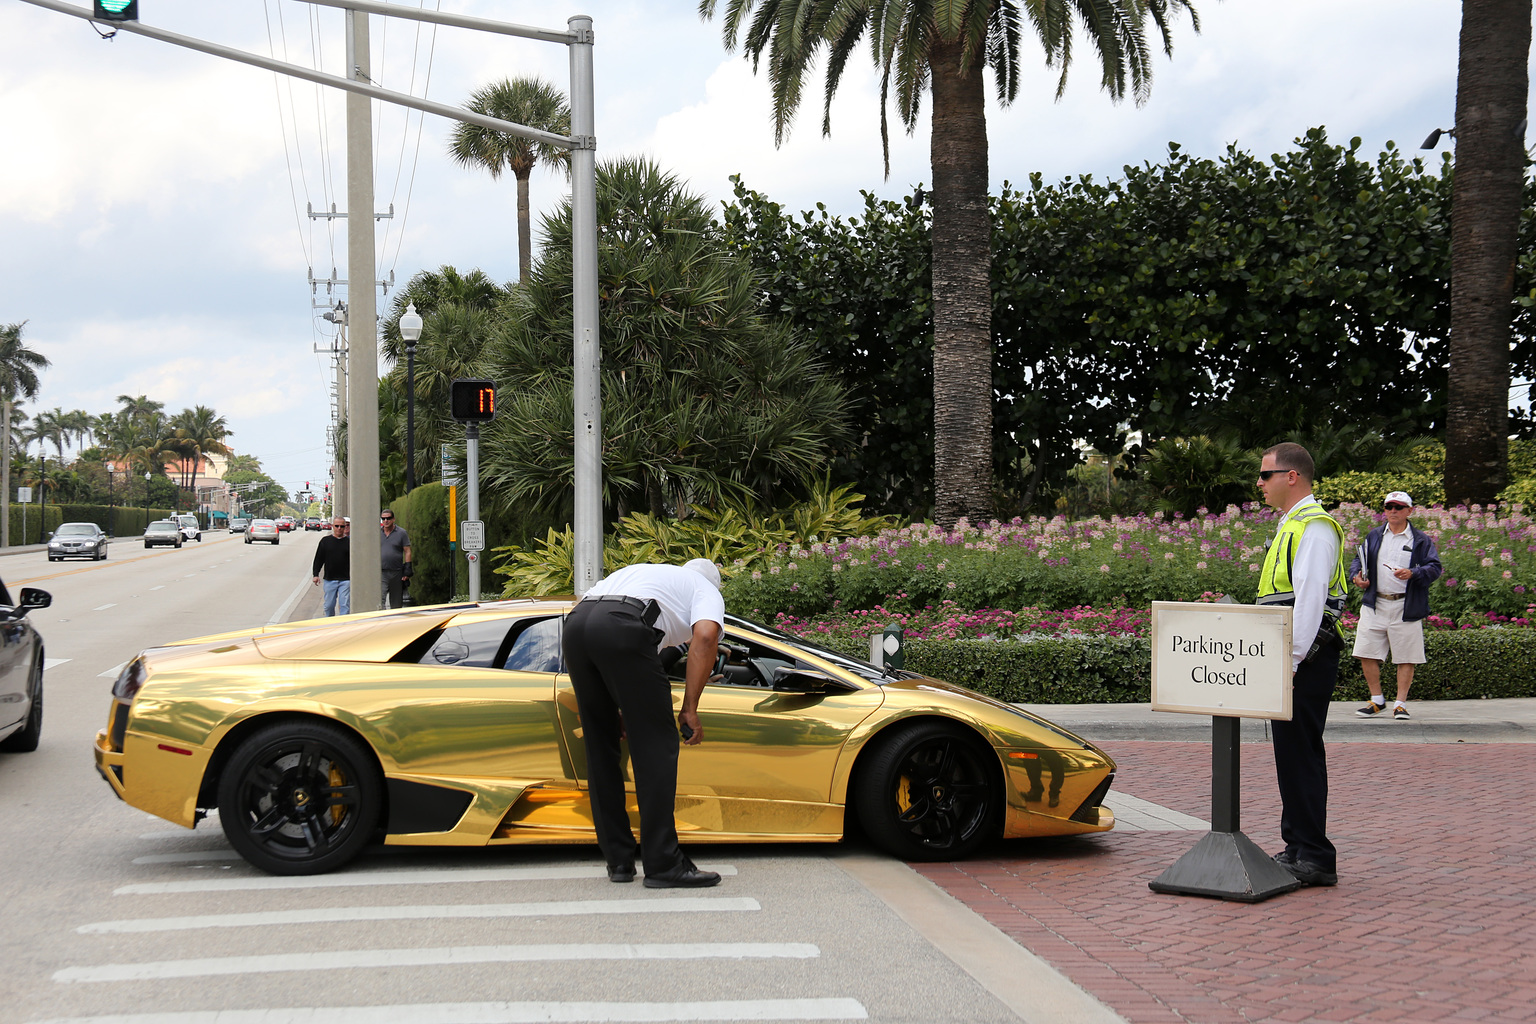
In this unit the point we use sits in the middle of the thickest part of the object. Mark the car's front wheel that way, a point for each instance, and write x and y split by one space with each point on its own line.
300 798
928 793
25 741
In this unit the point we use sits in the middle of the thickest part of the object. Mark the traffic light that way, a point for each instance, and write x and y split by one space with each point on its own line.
117 10
473 401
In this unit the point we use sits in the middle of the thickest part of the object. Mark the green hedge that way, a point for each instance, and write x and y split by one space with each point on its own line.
118 520
1462 665
424 516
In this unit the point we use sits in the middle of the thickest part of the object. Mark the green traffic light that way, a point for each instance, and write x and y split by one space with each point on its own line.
117 10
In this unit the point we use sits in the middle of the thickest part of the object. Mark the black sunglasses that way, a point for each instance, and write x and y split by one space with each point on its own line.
1265 474
1393 506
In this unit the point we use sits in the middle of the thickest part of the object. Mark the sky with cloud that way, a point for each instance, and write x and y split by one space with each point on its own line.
153 228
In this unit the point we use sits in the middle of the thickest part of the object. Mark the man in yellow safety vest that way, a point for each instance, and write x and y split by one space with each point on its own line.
1304 568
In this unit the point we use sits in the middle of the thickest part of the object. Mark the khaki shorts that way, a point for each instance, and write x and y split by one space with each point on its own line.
1382 629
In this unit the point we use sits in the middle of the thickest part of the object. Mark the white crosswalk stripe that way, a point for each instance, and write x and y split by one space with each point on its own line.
332 915
426 876
508 1013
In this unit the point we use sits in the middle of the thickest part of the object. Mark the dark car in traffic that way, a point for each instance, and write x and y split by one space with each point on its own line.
21 671
77 540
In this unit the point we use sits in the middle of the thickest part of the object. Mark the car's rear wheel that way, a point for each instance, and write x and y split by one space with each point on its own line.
300 798
928 792
25 741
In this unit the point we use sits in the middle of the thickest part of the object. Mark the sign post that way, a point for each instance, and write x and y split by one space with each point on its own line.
473 402
1231 662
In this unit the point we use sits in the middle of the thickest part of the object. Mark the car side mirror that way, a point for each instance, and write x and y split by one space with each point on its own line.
48 535
31 598
809 680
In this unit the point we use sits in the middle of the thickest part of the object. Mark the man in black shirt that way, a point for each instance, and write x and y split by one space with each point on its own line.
333 555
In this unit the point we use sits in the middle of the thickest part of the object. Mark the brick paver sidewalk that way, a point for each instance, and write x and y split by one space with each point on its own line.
1434 917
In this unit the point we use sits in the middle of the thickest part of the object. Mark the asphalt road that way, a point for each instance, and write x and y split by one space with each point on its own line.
112 915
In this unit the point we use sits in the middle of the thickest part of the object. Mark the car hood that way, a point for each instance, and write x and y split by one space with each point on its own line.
926 687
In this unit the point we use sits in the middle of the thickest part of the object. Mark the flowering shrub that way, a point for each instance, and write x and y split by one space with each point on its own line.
1096 568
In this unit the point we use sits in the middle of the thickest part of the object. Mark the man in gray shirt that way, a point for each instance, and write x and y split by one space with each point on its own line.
394 560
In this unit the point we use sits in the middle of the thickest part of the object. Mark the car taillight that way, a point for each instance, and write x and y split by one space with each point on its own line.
129 680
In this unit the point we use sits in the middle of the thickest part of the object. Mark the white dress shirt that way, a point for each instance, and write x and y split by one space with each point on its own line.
1317 553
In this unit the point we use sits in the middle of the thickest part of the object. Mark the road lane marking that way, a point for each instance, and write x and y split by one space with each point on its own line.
505 1013
1133 814
424 876
104 607
187 857
95 567
52 663
160 587
331 915
441 956
113 672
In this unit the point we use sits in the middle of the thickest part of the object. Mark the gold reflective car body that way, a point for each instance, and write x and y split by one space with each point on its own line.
461 715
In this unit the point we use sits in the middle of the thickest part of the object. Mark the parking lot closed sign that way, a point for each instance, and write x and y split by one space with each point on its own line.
1232 660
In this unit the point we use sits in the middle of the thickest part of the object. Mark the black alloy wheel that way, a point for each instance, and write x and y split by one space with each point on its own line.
25 741
300 798
928 792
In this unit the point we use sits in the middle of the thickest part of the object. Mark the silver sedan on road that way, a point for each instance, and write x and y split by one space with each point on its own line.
77 540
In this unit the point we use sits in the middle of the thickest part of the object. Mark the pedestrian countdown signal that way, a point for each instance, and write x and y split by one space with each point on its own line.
117 10
473 401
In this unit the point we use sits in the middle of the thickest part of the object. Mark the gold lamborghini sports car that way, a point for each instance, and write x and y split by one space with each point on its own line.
453 725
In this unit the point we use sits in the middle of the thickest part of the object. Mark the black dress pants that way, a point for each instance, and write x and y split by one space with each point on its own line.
1301 764
611 655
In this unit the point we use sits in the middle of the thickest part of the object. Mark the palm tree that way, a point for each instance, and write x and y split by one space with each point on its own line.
533 103
1491 86
199 431
946 44
242 464
18 377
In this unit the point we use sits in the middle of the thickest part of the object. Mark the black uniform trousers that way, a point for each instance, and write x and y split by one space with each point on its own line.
1301 764
611 655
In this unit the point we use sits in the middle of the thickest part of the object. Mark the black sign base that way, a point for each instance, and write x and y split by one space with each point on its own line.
1229 866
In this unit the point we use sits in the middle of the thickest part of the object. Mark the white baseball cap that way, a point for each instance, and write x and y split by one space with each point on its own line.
704 567
1400 497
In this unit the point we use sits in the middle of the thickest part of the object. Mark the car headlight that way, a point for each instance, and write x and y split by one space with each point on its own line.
55 544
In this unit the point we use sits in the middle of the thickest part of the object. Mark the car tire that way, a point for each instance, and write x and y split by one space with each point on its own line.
52 559
959 806
25 741
300 798
147 545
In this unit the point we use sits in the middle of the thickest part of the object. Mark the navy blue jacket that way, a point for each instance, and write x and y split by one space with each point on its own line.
1424 560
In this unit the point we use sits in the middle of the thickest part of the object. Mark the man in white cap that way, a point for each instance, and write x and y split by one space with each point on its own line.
1395 565
612 642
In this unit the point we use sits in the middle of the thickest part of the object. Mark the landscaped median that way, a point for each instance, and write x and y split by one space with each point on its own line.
1082 589
1102 656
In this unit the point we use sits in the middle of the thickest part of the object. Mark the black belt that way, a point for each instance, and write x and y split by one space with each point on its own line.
1389 597
648 609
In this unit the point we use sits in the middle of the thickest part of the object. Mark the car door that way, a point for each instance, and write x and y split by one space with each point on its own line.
15 654
765 767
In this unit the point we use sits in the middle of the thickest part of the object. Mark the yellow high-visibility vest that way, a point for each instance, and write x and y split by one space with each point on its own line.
1275 586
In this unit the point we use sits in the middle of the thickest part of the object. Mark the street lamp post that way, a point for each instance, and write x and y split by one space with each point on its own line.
146 499
111 518
410 330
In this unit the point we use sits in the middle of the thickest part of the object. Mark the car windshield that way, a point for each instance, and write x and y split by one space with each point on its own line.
76 530
162 527
843 661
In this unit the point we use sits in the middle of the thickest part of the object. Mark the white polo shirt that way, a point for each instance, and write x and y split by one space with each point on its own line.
683 596
1396 552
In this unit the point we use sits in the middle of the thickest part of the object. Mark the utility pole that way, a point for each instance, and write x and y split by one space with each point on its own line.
362 330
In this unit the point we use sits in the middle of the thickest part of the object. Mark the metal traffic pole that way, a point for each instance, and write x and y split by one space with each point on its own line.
586 396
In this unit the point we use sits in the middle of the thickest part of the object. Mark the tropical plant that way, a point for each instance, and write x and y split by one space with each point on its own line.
1492 81
197 432
18 379
704 399
528 101
946 44
1190 473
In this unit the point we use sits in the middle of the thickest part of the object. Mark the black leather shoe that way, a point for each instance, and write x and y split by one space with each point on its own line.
1286 859
1308 873
684 876
622 872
